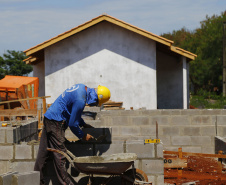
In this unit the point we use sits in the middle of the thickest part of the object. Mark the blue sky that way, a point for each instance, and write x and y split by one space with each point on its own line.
26 23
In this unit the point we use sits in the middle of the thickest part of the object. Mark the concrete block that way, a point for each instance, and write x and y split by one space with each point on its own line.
6 178
6 152
201 120
153 166
127 138
221 120
223 111
33 127
142 150
208 131
148 130
159 148
131 113
150 112
152 179
2 135
191 131
192 149
106 121
181 140
180 120
22 166
190 112
221 131
26 131
170 131
27 178
170 148
140 120
201 140
23 151
108 149
130 131
211 112
172 111
208 150
161 120
17 134
166 140
10 137
160 179
4 166
116 131
120 120
91 109
36 147
110 113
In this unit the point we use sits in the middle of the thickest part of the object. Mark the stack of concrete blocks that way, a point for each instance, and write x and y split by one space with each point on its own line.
15 178
15 154
22 131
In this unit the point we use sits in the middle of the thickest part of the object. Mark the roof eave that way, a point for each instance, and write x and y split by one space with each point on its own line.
92 22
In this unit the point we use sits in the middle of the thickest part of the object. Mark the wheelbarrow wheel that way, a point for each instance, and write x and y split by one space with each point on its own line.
131 175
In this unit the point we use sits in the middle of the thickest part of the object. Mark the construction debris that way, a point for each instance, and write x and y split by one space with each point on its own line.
193 168
111 105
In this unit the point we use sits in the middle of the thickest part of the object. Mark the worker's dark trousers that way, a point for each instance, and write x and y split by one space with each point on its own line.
53 136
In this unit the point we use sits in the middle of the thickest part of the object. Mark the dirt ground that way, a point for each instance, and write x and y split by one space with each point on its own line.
199 171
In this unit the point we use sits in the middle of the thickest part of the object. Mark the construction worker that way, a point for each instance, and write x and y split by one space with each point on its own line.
66 111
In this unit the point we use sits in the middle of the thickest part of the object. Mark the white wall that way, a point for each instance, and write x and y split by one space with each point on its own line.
39 71
108 55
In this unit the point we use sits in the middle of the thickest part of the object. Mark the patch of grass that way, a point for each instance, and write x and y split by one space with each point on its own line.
208 101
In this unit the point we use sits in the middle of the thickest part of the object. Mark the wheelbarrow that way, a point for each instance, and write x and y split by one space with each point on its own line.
111 165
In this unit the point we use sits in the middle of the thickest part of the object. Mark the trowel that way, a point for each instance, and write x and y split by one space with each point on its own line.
100 138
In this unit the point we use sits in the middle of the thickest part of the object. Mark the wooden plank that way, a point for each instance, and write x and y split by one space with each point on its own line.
20 112
170 162
114 108
112 105
195 154
2 108
42 97
112 102
44 105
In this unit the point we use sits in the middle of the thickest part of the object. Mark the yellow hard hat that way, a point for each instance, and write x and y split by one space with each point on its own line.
103 94
4 124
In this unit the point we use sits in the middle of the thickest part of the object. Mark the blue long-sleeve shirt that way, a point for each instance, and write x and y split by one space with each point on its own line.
70 105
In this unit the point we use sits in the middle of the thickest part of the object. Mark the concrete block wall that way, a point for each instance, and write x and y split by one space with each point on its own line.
15 178
18 157
193 130
24 131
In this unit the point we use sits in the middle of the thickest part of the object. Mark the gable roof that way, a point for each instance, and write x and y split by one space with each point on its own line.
38 49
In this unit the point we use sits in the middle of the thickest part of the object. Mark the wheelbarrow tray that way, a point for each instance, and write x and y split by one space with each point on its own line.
114 164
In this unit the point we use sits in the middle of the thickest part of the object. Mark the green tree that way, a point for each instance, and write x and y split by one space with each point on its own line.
12 64
207 42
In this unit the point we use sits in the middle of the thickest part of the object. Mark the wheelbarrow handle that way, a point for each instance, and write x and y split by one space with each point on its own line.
64 154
